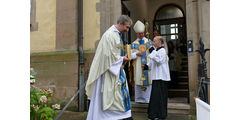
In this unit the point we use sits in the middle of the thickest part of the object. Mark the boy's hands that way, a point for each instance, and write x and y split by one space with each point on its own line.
151 49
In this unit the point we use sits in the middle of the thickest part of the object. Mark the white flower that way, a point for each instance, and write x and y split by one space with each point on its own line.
31 69
50 91
36 88
35 107
32 81
43 99
56 106
32 77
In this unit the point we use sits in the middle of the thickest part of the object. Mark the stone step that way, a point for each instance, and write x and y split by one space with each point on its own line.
178 93
182 85
184 58
170 111
185 67
143 116
180 90
184 62
182 79
179 85
183 73
177 100
173 108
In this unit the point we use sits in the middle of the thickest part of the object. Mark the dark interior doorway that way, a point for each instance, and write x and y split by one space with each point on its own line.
170 22
128 68
126 35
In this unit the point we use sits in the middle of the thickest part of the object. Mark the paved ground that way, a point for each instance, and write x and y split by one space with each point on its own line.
67 115
143 116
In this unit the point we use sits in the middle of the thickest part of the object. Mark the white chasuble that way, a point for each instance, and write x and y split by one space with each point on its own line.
106 72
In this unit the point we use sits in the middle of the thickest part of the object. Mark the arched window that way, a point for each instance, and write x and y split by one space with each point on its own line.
169 12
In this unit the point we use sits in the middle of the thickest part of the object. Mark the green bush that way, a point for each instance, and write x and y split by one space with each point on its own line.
40 101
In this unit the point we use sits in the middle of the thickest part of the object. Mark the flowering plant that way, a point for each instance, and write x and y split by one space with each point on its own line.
40 101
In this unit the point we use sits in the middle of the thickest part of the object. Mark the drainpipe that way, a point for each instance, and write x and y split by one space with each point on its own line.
80 57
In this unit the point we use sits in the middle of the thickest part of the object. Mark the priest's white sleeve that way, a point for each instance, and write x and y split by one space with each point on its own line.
115 68
134 55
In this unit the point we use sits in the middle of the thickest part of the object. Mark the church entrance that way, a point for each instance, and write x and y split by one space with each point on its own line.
169 19
170 22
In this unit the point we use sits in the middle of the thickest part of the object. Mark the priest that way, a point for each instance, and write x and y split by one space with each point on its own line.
107 86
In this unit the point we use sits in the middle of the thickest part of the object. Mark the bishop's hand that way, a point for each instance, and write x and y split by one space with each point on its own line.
139 53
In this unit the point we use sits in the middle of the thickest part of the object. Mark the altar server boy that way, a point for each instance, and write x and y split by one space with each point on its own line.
160 76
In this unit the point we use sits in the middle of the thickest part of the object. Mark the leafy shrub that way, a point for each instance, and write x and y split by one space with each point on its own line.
40 101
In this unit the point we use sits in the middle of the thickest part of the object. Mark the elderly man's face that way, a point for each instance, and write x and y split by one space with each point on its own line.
140 35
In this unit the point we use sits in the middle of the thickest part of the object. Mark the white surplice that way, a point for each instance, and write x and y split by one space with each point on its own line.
159 65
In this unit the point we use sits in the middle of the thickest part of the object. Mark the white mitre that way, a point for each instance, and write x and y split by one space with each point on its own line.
139 27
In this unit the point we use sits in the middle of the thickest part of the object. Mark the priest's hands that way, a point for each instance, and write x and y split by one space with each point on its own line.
139 53
142 67
125 59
